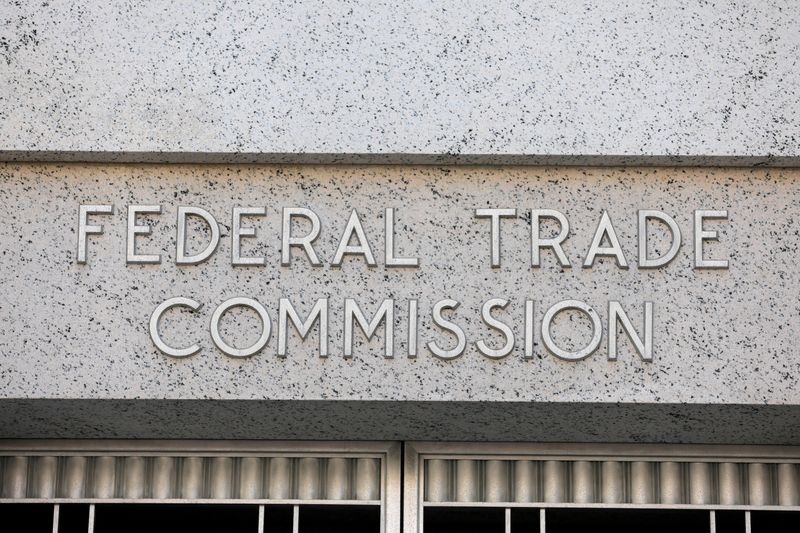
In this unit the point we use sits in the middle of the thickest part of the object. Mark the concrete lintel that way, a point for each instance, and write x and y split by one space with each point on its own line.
408 420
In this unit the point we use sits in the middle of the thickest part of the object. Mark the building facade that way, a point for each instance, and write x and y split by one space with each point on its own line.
421 267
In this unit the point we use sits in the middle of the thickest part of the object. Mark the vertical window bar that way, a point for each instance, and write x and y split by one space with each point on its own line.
56 510
91 519
508 519
296 519
747 526
260 519
712 522
543 522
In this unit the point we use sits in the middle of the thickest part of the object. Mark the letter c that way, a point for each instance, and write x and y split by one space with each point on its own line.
156 336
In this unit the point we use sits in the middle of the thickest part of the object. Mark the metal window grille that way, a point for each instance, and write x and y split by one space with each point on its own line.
277 484
655 477
275 474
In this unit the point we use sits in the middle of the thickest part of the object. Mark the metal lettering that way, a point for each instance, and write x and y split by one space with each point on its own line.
537 243
492 322
447 325
529 329
181 257
266 327
134 230
287 312
84 228
384 313
605 228
390 259
701 235
362 248
413 324
287 240
238 232
155 335
597 330
495 215
644 216
617 315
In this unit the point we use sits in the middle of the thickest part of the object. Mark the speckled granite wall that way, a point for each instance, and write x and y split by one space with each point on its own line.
521 82
723 339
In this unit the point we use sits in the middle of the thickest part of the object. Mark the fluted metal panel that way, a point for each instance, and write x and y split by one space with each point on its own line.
642 482
192 478
308 478
554 481
670 483
497 481
582 482
337 486
526 477
280 478
15 477
613 482
468 484
610 482
134 476
759 478
461 479
164 478
437 480
74 477
251 477
688 480
368 479
45 477
730 484
700 488
221 478
788 485
104 477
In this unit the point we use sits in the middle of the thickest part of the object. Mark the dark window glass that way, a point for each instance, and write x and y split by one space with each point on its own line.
464 520
730 521
340 519
278 518
164 518
73 518
26 517
525 520
627 521
767 521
